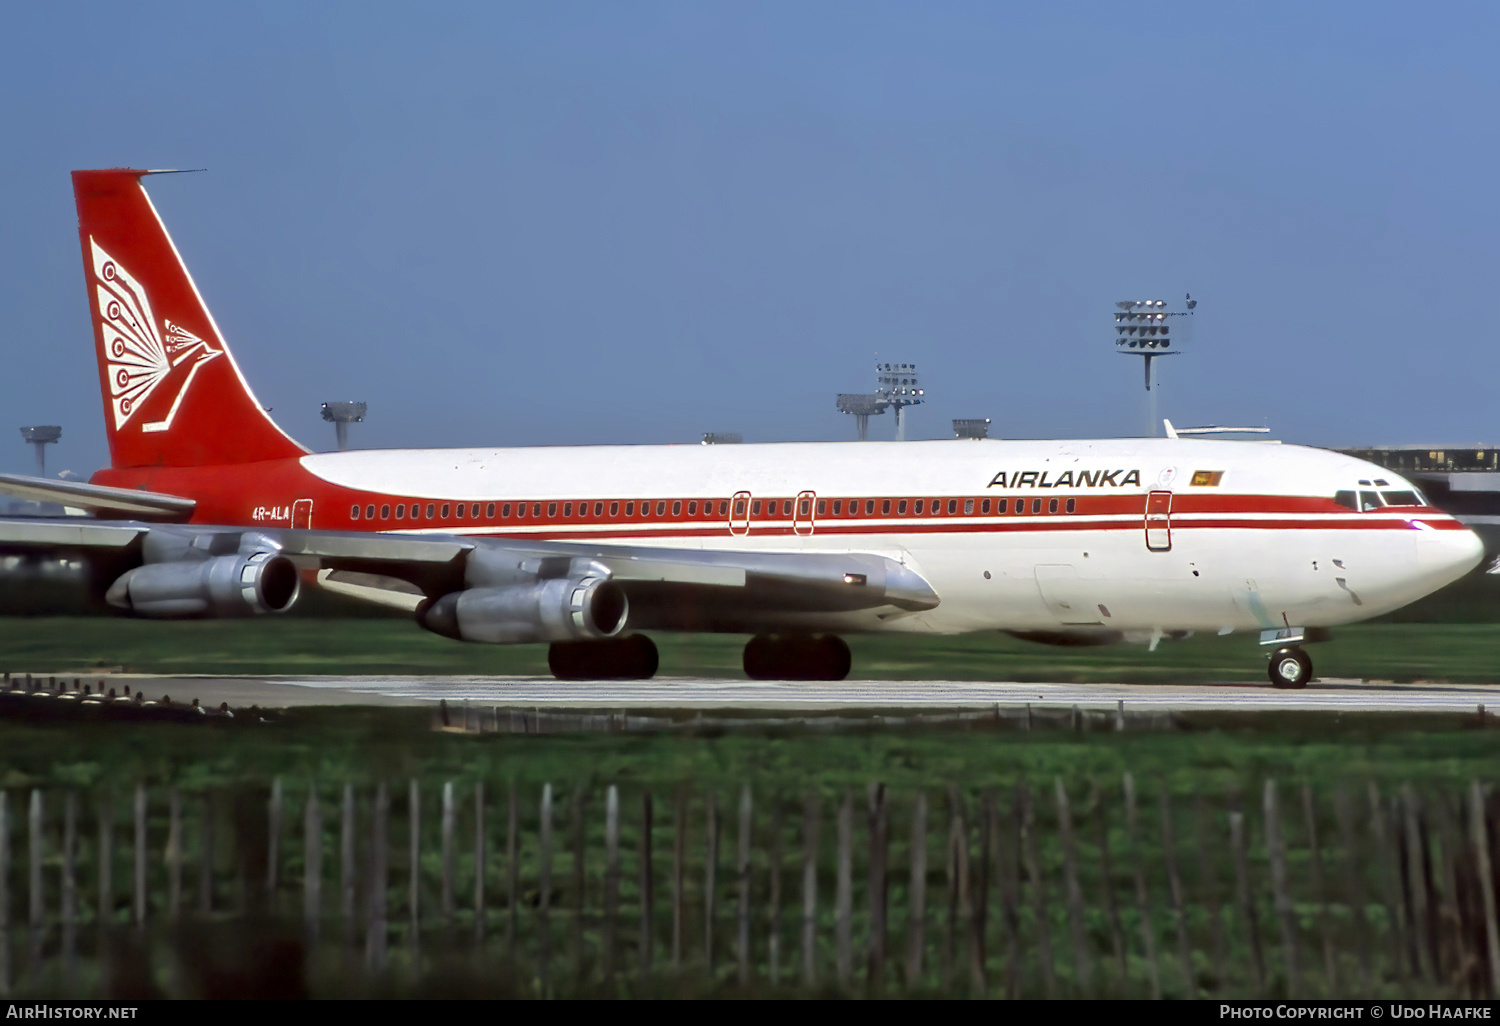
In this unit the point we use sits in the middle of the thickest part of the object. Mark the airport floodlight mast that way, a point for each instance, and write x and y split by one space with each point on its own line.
971 427
898 387
863 407
722 438
1143 327
342 414
42 436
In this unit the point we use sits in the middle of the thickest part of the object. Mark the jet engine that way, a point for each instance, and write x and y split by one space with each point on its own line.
584 607
245 584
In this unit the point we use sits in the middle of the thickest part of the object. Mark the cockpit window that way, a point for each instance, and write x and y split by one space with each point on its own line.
1345 499
1369 501
1403 498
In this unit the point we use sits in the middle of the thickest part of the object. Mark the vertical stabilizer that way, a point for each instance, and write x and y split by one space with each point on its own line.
173 395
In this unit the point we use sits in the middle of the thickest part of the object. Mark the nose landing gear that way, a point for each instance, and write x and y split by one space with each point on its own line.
1290 667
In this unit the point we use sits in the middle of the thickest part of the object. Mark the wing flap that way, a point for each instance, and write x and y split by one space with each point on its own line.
97 497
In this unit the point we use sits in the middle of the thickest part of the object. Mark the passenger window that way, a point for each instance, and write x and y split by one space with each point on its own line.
692 509
1036 505
921 505
489 511
460 511
567 509
1400 498
401 511
1051 505
353 512
723 507
536 509
869 507
1002 505
885 508
445 511
385 512
614 509
1072 505
838 507
369 512
822 506
755 508
630 509
1369 501
806 507
505 511
901 507
661 508
430 508
677 508
984 506
551 510
739 507
474 511
968 505
598 509
952 506
1345 499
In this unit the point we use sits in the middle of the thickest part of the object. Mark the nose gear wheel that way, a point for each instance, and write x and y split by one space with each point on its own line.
1290 667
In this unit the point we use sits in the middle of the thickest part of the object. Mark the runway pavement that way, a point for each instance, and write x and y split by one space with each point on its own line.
1341 695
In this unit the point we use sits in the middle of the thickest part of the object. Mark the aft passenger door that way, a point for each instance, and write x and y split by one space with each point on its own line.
1159 521
739 513
302 515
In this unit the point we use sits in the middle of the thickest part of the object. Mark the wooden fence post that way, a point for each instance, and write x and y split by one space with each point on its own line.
375 937
273 845
206 857
811 820
1142 901
512 870
448 904
773 941
1036 883
844 893
1175 890
1456 955
916 939
544 888
648 890
35 860
70 886
679 871
1246 895
1072 892
414 858
611 877
710 881
174 853
1007 854
106 860
479 855
140 855
1485 867
312 864
577 810
1416 880
876 890
742 871
1386 838
1320 894
346 865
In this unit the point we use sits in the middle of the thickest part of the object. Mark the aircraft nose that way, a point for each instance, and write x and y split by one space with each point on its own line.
1448 555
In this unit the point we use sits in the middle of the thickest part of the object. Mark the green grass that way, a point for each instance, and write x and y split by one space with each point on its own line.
1468 653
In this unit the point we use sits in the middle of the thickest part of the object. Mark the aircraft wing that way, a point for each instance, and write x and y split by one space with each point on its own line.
97 498
668 588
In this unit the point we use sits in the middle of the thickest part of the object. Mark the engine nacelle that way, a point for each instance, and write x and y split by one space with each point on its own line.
221 586
576 608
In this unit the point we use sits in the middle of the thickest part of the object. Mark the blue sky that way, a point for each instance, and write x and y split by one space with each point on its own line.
563 223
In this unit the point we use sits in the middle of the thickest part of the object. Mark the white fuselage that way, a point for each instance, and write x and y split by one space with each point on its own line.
1244 536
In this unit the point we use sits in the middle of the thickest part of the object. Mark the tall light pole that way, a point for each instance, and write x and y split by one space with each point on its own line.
1144 328
342 415
41 436
898 387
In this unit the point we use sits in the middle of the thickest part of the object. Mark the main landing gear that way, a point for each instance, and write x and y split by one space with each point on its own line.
796 657
629 658
1290 667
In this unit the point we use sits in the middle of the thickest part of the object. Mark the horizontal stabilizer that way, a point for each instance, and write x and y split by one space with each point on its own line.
97 498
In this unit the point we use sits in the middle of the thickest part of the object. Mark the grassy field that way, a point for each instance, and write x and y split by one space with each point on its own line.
1467 653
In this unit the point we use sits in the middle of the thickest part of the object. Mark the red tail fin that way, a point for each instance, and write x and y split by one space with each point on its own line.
173 395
